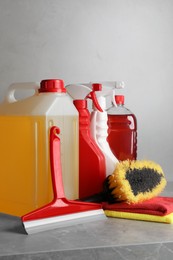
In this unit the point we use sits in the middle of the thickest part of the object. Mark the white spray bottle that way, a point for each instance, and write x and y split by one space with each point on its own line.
99 129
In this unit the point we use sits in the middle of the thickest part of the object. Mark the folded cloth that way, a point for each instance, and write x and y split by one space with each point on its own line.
158 206
144 217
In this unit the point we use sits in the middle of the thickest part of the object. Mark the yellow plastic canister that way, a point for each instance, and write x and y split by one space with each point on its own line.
25 178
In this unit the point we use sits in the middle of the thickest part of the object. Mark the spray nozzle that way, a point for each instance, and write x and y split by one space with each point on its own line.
81 91
97 87
107 88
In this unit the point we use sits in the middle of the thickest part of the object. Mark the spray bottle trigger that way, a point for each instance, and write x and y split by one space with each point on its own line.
92 95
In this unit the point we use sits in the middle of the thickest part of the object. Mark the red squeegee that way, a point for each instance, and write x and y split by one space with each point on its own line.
60 212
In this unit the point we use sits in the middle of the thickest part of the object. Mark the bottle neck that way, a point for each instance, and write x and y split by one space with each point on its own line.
84 115
120 105
84 121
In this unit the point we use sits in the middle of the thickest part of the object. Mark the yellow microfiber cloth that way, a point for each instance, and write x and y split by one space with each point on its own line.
144 217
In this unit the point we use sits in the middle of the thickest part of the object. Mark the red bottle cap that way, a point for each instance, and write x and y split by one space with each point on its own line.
119 99
52 85
97 86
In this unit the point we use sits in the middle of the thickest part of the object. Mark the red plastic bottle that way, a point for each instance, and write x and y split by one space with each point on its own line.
122 131
92 168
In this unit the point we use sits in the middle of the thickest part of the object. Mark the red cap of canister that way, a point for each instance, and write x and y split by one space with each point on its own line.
52 85
119 99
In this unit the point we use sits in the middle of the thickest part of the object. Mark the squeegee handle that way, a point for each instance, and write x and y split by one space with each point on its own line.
55 163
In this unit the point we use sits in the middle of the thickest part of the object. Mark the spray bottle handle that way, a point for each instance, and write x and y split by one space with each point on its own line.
92 95
10 96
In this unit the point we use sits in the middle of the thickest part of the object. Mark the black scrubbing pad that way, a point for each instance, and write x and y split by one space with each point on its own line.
143 181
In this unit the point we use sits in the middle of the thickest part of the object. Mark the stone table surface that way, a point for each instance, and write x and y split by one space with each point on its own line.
111 238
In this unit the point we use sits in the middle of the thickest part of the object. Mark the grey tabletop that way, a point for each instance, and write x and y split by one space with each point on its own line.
102 239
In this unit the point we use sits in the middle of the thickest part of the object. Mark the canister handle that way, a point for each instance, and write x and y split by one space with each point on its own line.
10 98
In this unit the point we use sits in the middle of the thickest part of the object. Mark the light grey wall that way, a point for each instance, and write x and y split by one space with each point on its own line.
93 40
